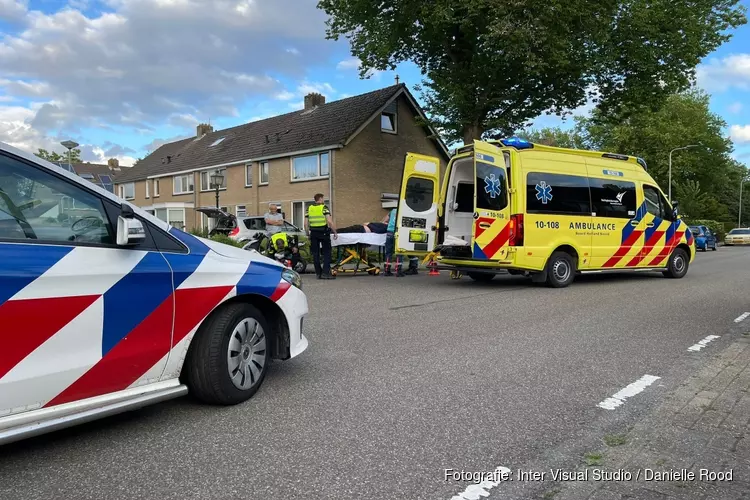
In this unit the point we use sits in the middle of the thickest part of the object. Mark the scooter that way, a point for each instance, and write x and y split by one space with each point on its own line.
289 256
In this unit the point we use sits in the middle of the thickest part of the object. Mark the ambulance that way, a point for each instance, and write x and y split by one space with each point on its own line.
544 212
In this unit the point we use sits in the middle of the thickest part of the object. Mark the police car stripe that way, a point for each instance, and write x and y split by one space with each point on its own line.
46 370
99 269
21 264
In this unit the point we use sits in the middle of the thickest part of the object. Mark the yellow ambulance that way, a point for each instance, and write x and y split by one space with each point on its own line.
545 212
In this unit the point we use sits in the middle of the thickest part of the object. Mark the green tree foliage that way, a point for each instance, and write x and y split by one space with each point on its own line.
705 180
555 136
493 65
75 155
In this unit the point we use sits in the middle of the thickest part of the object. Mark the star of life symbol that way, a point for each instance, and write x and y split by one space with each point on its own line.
492 186
543 192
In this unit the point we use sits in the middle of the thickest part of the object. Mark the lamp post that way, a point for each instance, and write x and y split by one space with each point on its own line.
217 180
670 167
739 217
69 145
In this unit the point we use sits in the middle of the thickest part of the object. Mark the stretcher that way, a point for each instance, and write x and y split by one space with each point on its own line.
352 251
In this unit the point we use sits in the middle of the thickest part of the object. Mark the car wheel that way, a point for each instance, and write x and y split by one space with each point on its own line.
713 248
678 264
229 358
301 266
561 270
481 277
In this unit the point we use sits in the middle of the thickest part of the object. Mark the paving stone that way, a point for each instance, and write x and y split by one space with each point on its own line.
710 418
725 440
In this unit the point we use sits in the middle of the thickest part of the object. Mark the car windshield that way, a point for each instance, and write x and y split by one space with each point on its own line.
739 231
696 230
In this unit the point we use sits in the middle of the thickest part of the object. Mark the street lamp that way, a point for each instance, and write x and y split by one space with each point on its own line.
739 217
670 167
217 179
69 145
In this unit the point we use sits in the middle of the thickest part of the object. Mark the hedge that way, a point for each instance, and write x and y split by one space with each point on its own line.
719 228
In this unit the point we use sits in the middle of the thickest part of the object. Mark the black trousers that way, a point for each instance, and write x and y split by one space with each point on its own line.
320 239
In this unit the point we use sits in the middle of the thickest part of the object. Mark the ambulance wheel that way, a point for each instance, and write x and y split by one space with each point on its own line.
482 277
229 356
561 270
678 264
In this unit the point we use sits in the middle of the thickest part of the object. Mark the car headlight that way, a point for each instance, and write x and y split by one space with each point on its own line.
291 277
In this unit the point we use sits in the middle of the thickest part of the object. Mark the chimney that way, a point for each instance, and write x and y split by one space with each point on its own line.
113 163
313 100
203 129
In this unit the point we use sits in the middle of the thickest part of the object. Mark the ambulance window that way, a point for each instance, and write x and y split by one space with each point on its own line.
419 193
490 186
557 194
506 157
655 205
613 198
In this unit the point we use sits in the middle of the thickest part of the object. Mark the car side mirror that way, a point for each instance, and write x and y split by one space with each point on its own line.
130 231
675 206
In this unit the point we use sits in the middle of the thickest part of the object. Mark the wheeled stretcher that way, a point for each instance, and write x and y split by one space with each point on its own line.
351 250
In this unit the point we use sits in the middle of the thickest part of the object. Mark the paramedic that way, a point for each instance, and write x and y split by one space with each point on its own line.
318 225
274 219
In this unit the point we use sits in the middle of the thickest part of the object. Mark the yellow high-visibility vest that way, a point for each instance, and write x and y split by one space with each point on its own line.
315 216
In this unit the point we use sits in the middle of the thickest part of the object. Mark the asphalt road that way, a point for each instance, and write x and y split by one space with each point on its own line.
404 378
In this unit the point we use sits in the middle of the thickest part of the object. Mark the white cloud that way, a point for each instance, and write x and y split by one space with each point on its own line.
740 133
150 62
284 95
725 73
354 63
735 107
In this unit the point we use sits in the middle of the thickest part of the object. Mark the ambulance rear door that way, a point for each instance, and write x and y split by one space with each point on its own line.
491 231
417 216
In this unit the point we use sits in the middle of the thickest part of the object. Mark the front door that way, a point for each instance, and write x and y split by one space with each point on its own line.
660 232
417 217
490 232
80 317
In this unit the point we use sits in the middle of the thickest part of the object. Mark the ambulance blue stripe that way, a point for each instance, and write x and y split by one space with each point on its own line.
478 253
670 231
134 298
260 279
640 214
651 230
21 264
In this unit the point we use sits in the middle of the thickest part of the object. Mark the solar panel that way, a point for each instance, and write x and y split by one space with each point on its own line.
87 176
105 179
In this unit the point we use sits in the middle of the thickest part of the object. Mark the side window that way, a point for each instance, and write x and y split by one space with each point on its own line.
490 184
557 194
654 203
37 205
419 193
611 198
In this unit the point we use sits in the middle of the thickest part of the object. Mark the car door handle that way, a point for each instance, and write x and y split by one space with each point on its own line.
650 224
634 222
485 225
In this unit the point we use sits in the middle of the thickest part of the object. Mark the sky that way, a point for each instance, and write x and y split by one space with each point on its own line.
122 77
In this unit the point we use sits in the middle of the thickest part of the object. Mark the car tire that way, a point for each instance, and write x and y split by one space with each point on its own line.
229 356
481 277
713 248
678 264
561 270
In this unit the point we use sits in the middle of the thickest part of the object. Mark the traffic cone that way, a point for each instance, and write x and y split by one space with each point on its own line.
433 269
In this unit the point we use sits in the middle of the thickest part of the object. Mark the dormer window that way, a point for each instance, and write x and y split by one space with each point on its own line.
389 119
217 142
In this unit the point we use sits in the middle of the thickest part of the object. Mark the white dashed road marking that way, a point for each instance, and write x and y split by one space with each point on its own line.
631 390
742 317
482 490
700 345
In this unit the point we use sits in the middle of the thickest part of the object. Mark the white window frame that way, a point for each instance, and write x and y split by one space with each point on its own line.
394 121
156 188
307 179
148 190
305 204
268 171
208 174
123 193
249 170
183 176
237 211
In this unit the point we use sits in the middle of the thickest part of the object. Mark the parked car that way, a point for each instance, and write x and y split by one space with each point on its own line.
738 236
704 238
225 222
247 227
105 308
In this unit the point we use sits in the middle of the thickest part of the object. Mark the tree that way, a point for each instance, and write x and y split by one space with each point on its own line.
554 137
493 65
705 180
75 156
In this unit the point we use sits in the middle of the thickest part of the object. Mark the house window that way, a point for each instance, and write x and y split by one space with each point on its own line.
173 216
183 184
264 173
299 209
389 119
311 166
127 191
156 188
206 184
147 190
249 175
241 211
217 142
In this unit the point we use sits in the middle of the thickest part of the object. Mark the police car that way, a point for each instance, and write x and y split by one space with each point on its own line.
105 308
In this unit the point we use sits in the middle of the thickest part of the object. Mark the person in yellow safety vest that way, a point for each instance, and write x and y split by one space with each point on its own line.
318 225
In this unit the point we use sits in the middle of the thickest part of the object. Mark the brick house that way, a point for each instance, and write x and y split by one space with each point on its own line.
352 150
103 176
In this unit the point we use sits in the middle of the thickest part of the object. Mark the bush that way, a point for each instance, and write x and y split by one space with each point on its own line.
715 226
203 233
220 238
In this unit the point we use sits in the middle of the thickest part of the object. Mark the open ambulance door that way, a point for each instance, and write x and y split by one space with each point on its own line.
491 231
417 216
